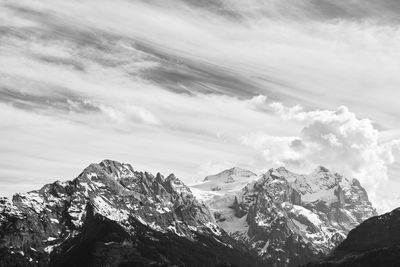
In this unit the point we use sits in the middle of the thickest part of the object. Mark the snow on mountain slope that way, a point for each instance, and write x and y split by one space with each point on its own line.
111 214
147 219
234 174
288 218
219 191
226 182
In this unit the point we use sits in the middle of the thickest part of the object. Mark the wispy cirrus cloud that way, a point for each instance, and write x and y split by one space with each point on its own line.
192 86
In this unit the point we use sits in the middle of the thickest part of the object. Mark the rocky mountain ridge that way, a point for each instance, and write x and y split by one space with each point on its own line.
111 214
289 218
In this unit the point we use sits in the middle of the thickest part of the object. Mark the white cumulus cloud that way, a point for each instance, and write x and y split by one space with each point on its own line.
336 139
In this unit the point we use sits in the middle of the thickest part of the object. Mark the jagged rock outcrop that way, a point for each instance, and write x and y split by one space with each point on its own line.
112 215
287 218
375 242
295 218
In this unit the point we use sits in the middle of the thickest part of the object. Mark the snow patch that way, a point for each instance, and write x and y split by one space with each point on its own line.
54 220
49 249
107 210
214 228
312 217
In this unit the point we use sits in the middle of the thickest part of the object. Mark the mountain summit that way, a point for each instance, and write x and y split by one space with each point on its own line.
290 218
231 175
114 215
295 218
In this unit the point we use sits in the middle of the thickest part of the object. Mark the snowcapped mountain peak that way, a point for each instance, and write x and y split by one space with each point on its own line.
219 192
230 175
288 216
281 173
115 211
116 169
225 183
284 217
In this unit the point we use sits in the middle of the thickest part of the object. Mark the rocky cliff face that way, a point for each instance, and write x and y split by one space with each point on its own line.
290 219
375 242
112 215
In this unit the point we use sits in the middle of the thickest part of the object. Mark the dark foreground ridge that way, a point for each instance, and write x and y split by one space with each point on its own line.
374 243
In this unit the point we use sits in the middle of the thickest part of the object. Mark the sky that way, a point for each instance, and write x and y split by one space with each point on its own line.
193 87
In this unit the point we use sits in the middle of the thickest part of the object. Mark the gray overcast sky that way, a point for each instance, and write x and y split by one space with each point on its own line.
193 87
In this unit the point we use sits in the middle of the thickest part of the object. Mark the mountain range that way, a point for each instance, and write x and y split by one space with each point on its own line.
287 218
114 215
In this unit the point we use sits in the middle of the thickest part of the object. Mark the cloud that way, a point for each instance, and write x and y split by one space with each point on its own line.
183 87
126 113
336 139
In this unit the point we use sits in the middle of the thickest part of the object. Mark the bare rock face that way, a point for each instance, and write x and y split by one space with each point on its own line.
291 219
295 218
112 215
375 242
